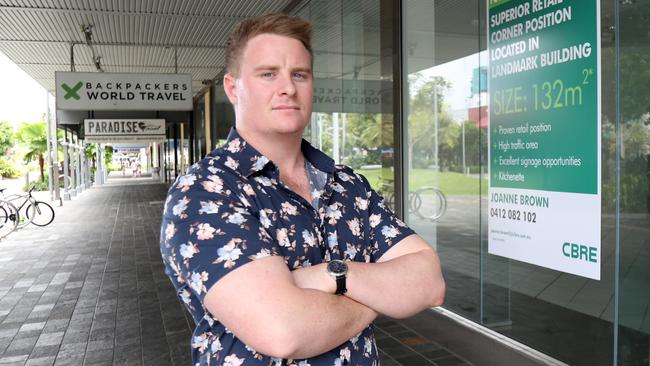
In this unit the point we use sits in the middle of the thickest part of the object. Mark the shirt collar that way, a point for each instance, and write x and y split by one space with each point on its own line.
252 161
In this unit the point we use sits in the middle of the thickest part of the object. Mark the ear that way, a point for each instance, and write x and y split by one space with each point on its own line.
229 87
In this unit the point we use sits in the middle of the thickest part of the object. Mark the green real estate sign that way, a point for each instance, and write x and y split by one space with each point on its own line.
544 95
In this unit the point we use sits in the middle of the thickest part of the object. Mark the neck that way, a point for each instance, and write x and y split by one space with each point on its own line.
284 150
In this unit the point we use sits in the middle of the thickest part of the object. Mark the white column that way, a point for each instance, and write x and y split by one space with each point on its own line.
66 194
89 182
82 175
77 166
102 152
48 144
54 144
73 162
98 165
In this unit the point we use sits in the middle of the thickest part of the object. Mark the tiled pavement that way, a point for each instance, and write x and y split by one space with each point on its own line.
90 290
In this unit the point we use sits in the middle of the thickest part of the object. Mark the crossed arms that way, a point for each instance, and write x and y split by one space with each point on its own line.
295 314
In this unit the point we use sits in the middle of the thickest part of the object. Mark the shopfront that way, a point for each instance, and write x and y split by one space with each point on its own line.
422 111
531 118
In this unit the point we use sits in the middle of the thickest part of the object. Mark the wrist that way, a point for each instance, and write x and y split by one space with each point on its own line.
338 270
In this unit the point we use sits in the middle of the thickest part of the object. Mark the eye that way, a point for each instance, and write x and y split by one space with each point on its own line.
300 75
267 74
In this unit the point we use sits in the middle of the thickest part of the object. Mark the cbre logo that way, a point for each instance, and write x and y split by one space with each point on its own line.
71 92
580 252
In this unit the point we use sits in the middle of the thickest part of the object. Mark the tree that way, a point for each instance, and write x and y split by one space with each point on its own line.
34 137
636 139
6 137
475 140
421 122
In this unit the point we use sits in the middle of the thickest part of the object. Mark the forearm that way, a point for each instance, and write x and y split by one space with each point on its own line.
277 317
323 321
400 287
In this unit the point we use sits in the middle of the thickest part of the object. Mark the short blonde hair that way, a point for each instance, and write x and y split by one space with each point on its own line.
277 23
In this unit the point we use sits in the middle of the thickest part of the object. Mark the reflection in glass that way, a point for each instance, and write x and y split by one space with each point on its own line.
352 119
446 125
633 187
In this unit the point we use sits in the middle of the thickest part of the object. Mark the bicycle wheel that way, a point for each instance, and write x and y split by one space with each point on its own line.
432 203
4 217
43 214
25 216
8 218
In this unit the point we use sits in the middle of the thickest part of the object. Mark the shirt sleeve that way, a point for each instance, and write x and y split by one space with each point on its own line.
206 233
385 228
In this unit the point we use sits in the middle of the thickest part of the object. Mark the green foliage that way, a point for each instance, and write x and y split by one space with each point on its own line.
428 116
90 150
359 144
636 139
8 169
108 155
475 145
34 137
6 137
41 184
450 183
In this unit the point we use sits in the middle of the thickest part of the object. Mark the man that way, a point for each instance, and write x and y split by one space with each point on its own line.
282 257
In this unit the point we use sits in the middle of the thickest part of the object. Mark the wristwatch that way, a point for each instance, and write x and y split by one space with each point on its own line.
338 270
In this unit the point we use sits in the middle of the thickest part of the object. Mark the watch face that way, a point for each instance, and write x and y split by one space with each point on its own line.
337 267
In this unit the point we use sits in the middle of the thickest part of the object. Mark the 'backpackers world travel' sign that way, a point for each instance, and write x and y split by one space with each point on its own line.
124 130
113 91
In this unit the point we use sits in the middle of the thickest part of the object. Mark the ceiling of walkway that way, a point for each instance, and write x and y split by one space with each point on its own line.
147 36
167 36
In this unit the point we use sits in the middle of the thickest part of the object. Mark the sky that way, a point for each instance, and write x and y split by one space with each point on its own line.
22 99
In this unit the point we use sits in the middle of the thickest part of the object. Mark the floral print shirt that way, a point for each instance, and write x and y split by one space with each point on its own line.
231 208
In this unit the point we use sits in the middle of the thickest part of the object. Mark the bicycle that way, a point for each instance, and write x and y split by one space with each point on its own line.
8 217
36 212
415 206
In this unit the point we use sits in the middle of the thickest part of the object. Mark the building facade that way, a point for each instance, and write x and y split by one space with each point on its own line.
410 93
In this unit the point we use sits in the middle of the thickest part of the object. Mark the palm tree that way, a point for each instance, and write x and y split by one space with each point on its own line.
34 137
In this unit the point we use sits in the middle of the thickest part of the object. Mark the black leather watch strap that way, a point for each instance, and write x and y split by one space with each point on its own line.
341 285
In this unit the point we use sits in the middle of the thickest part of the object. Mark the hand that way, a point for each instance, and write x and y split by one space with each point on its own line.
314 277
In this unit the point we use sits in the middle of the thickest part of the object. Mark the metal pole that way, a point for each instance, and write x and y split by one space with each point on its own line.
335 138
435 128
463 136
343 121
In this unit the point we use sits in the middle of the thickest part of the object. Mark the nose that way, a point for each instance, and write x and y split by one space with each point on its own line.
286 85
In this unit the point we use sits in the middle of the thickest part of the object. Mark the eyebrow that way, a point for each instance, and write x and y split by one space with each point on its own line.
275 68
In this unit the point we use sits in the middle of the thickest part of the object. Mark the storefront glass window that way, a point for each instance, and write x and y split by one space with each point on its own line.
633 185
352 120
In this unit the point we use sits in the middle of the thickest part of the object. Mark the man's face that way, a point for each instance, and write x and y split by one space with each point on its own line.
273 92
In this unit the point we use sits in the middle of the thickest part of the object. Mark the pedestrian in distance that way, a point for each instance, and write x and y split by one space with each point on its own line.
281 256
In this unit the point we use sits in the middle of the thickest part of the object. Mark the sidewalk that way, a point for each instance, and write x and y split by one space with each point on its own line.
90 290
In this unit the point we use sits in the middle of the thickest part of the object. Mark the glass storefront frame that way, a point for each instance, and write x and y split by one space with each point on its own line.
496 292
575 320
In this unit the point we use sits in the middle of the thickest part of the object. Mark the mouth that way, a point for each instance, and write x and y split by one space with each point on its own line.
286 108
